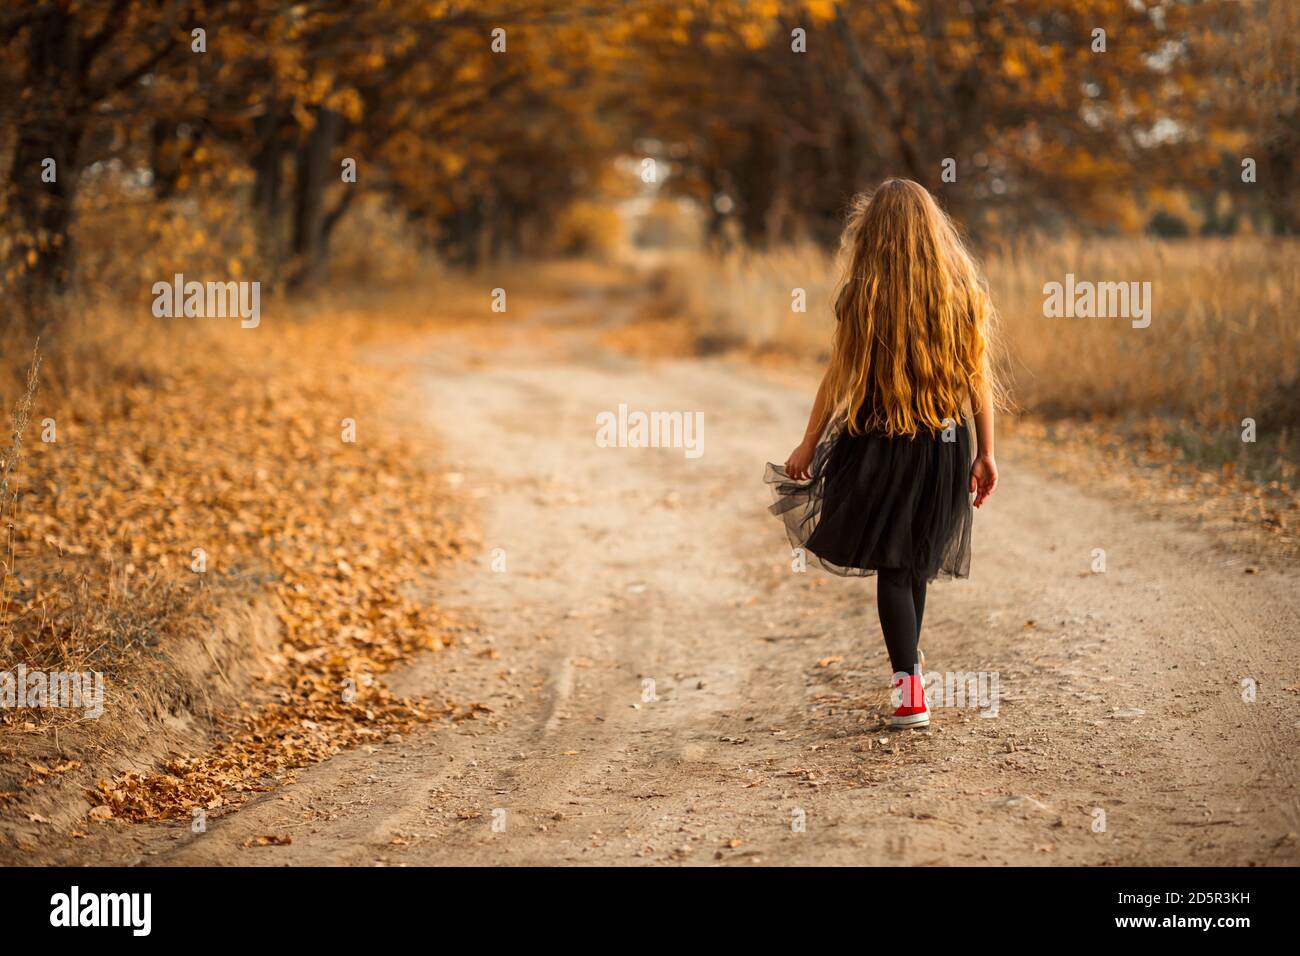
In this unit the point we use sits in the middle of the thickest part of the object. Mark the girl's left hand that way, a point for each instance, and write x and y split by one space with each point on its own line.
983 478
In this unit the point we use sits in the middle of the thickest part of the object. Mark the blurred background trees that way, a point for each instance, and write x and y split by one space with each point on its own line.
1046 120
479 124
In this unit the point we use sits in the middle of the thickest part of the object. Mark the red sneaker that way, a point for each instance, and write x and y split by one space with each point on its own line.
912 710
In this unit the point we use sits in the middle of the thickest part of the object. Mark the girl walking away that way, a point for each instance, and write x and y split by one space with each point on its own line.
881 482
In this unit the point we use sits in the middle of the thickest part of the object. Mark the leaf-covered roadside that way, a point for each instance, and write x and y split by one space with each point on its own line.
232 442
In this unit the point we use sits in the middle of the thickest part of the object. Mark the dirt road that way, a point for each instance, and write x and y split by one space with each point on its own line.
664 688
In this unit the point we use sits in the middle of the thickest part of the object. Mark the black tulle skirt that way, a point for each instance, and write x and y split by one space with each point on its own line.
877 502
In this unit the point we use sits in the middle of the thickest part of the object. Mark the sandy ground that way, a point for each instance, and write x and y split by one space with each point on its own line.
1121 734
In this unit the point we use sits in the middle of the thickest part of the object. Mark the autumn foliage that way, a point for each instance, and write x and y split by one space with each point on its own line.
482 123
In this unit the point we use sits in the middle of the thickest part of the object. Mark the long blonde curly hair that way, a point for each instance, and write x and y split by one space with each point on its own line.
913 317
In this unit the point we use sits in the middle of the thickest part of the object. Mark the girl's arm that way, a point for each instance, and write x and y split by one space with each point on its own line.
796 466
984 470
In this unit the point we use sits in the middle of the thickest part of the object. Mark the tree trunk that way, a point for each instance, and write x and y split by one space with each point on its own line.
268 189
313 173
49 127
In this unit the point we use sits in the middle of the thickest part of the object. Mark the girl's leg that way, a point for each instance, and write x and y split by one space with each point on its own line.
898 617
918 602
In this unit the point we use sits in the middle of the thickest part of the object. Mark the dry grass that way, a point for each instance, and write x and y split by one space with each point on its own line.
8 472
1223 344
744 299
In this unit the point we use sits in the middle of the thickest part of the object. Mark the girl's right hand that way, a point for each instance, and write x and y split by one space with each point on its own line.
796 466
983 478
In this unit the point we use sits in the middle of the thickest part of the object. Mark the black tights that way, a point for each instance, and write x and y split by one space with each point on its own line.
900 598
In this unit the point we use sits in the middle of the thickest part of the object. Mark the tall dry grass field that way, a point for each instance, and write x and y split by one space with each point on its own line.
1223 343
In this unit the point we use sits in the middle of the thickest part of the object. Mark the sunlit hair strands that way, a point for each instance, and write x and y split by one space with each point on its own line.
913 317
